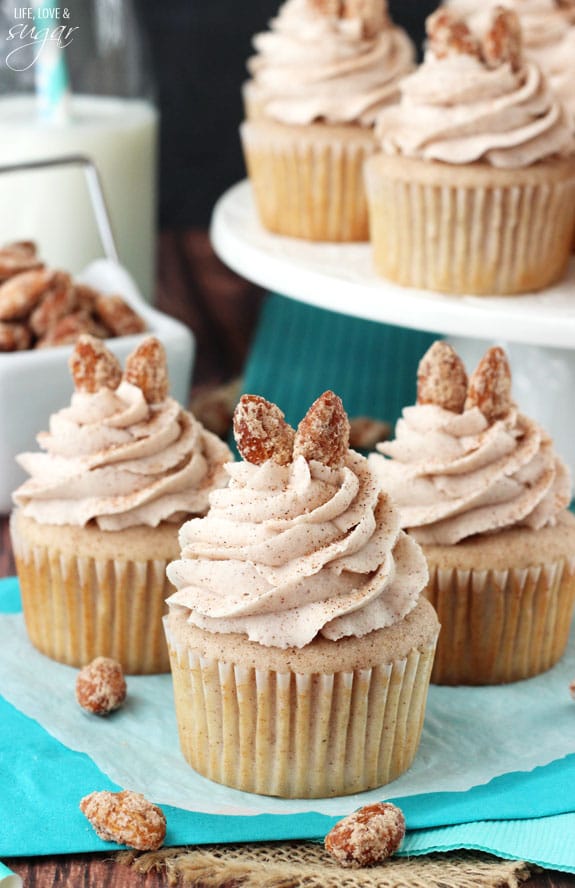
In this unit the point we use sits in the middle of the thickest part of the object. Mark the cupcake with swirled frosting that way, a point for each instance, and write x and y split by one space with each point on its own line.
320 75
300 644
480 487
473 191
97 521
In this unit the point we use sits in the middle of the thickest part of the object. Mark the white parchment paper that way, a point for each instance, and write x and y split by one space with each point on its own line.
470 735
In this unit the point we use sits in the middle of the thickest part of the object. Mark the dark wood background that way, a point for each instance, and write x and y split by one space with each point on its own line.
221 308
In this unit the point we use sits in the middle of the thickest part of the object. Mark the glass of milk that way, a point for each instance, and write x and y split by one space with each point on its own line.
104 110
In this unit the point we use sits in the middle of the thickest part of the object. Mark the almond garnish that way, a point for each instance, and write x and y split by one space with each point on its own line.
448 35
101 686
261 432
127 818
490 385
369 835
503 41
147 368
441 378
93 366
372 13
323 433
20 294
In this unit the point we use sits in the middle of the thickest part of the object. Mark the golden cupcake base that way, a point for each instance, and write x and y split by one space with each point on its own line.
473 229
88 593
295 731
308 180
502 623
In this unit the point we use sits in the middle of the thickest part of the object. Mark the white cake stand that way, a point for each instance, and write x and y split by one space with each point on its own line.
537 330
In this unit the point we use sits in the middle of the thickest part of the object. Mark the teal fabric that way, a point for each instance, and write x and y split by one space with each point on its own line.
299 351
519 815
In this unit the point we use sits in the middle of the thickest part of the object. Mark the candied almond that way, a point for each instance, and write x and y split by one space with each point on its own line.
119 317
147 368
14 336
101 686
68 329
441 378
261 432
22 292
503 42
93 366
369 835
490 385
127 818
448 35
18 256
365 432
372 13
323 433
58 301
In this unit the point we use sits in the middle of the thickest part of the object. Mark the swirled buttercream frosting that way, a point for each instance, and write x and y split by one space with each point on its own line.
457 474
312 66
464 105
113 458
294 549
548 36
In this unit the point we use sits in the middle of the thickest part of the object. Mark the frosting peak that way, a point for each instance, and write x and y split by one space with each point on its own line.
338 63
122 454
291 550
484 468
475 100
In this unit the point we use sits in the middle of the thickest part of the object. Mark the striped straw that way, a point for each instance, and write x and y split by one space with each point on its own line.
51 71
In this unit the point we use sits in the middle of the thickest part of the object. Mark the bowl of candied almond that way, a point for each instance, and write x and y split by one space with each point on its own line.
43 311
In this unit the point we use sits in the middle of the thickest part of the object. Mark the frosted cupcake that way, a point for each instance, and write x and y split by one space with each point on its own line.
548 34
474 188
300 645
319 77
97 522
480 487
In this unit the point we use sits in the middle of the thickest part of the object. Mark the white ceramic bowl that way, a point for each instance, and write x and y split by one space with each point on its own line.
36 383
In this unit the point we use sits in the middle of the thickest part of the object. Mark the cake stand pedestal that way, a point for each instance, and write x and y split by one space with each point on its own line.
537 330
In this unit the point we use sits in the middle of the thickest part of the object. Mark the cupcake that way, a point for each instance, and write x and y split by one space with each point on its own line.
300 645
473 191
97 521
548 34
480 487
319 77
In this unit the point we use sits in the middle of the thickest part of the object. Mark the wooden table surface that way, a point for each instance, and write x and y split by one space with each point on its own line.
221 309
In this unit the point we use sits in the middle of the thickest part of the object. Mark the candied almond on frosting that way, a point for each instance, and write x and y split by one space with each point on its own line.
503 41
441 378
367 836
448 35
261 432
323 433
93 366
490 385
372 13
147 368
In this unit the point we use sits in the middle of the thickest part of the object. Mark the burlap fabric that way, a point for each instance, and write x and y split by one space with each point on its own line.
305 864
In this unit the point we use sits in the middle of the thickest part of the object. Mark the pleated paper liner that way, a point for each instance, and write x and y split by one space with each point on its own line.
88 593
297 734
471 229
308 180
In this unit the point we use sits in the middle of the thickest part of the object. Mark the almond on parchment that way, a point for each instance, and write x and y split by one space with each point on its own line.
261 432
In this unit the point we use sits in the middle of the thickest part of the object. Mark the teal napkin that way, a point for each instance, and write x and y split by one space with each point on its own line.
522 815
